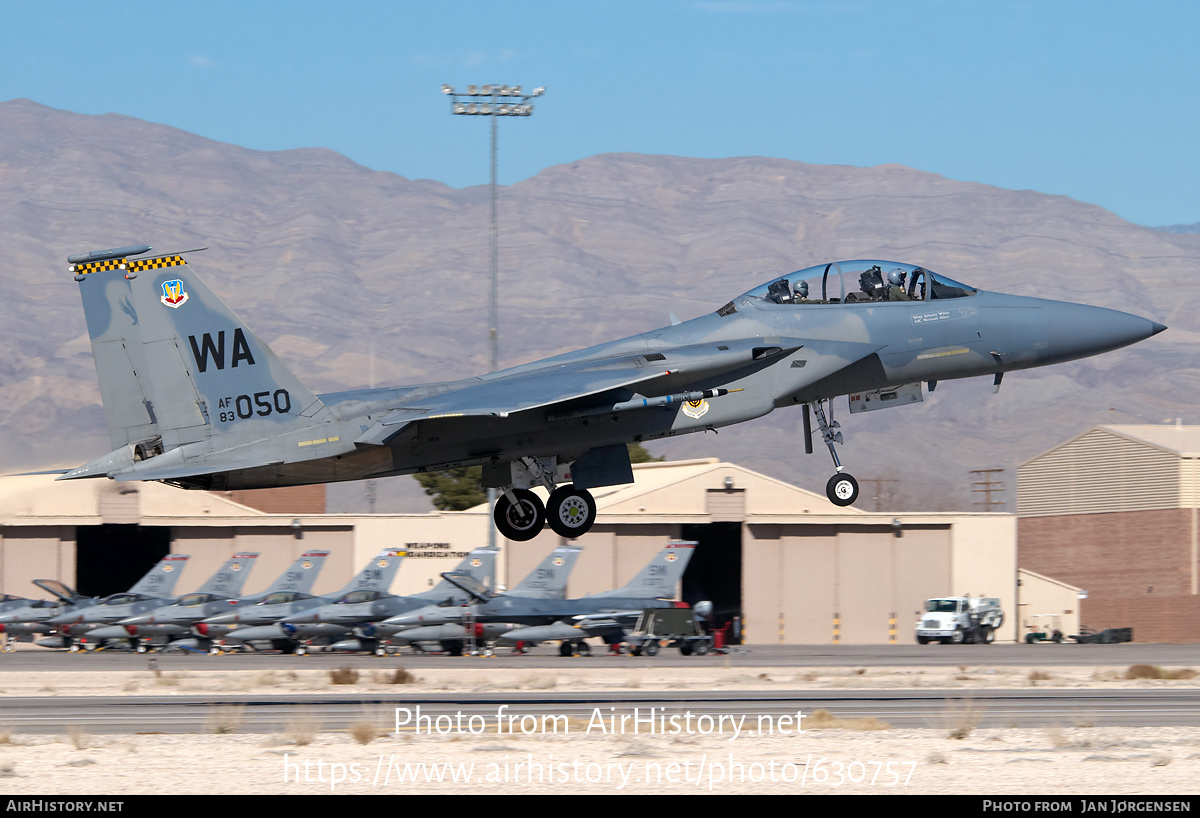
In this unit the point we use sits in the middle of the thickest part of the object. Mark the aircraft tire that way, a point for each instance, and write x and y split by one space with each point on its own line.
842 489
584 649
565 649
652 648
510 525
571 511
300 650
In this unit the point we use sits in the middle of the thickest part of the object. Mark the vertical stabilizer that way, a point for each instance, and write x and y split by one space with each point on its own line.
660 577
160 580
480 564
378 574
175 364
230 577
549 579
299 578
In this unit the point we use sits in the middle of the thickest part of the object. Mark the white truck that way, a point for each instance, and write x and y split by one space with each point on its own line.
958 620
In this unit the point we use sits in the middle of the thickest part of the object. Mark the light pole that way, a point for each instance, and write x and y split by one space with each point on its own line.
492 101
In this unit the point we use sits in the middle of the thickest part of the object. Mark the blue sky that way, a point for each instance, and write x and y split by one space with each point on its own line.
1091 99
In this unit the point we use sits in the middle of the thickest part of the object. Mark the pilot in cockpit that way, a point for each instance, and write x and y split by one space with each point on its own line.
895 288
781 292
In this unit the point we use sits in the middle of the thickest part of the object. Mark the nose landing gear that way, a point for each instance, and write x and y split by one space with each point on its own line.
842 489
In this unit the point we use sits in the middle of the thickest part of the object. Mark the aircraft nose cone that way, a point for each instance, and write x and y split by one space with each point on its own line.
1078 330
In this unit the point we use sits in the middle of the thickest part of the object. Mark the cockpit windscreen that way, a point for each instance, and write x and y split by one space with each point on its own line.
863 280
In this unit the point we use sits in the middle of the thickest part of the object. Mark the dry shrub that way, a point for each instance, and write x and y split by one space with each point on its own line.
822 719
1156 672
79 737
226 719
1036 676
302 727
399 676
1143 672
962 717
364 731
343 676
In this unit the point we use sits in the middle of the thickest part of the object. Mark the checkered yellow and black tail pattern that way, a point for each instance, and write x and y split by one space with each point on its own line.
154 263
131 266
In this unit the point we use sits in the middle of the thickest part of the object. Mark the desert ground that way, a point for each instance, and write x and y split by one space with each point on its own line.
952 755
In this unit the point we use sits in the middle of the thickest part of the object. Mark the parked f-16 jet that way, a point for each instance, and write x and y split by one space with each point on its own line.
337 621
260 622
152 591
17 621
194 398
547 581
568 621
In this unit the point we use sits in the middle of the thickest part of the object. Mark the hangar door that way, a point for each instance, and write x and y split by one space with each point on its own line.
715 572
109 559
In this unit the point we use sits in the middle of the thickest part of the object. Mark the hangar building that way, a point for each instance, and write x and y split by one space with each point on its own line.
786 564
1114 512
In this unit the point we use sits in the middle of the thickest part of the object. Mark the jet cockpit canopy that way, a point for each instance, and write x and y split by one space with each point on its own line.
861 280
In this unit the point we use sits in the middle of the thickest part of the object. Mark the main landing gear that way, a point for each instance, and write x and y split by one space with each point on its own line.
520 515
842 489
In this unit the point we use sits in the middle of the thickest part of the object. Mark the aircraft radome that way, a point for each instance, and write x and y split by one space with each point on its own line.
194 398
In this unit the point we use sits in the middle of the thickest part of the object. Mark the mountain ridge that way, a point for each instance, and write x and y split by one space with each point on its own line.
327 259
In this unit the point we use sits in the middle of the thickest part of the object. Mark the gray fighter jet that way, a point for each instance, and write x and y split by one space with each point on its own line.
341 619
151 591
169 624
158 625
30 619
194 398
291 591
260 622
547 581
653 587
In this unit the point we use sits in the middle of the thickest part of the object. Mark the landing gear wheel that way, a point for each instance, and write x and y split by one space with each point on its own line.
141 648
571 511
842 489
584 649
301 650
565 649
524 526
651 648
214 651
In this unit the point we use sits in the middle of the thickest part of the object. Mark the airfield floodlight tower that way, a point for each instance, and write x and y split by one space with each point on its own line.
492 101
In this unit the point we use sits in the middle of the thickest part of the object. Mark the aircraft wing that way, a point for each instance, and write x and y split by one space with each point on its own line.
504 396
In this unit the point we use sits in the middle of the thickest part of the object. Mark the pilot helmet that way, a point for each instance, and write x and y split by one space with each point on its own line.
896 277
802 289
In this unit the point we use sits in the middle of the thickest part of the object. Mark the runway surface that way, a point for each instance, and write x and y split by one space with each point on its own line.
941 709
901 708
546 656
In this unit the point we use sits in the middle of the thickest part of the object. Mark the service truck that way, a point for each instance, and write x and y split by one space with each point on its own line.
957 620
